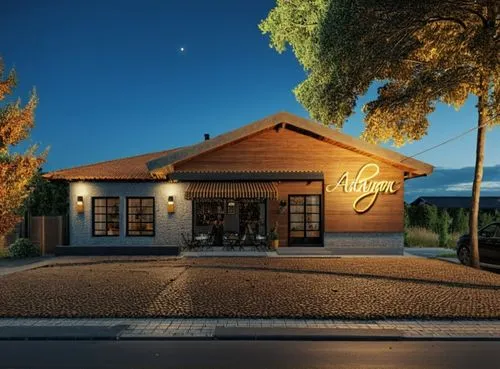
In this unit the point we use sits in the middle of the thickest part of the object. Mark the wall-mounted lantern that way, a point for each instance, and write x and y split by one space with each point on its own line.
170 205
282 206
79 204
231 207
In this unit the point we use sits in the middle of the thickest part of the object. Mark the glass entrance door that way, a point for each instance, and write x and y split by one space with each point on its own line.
304 222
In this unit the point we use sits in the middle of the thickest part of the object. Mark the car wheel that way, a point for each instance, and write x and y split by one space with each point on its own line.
464 255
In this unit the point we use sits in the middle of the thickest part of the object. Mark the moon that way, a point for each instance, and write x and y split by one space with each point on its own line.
182 49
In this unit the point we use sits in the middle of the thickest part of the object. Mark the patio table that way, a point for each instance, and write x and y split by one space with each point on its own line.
261 241
231 240
202 239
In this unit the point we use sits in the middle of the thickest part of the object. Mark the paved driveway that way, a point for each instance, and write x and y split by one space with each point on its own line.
428 252
345 288
9 266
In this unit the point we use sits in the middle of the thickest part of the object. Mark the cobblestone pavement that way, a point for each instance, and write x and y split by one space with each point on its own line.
173 327
299 288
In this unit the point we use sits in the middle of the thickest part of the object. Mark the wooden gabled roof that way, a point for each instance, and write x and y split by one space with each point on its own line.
161 164
161 167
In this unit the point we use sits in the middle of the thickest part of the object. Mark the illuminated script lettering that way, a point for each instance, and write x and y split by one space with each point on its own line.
365 184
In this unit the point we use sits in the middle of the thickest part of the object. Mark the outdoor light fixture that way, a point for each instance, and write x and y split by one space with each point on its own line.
282 206
170 205
79 204
231 207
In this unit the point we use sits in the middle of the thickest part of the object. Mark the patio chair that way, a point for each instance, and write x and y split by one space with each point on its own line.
260 243
241 242
189 244
251 240
229 241
209 243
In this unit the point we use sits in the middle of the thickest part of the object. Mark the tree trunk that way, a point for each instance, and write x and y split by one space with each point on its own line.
478 177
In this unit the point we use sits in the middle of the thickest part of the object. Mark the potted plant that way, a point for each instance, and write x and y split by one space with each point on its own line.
274 237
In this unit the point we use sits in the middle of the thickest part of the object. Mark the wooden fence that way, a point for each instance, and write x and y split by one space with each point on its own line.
47 232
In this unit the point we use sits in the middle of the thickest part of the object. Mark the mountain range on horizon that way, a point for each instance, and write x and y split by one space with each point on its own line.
453 182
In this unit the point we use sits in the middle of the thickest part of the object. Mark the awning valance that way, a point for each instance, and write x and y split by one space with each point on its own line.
232 190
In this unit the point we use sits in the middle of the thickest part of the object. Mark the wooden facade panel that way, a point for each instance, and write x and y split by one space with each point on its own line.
287 150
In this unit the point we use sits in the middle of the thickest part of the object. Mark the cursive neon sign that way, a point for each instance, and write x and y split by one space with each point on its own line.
365 184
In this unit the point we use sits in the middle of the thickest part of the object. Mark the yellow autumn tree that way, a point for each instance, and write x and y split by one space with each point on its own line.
16 170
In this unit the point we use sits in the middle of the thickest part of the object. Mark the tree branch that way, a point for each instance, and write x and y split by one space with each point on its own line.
447 19
483 19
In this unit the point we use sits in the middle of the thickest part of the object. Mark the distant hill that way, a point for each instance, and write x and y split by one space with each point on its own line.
453 182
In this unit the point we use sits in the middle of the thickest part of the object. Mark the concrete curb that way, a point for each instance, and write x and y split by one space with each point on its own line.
306 334
275 338
61 332
119 333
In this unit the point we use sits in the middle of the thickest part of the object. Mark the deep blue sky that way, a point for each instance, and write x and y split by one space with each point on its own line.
112 81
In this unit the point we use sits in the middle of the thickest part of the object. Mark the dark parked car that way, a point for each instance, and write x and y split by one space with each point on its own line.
489 245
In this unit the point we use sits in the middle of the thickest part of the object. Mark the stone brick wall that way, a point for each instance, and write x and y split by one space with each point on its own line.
168 227
383 243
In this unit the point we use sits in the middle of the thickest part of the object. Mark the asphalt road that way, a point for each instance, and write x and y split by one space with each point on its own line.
247 354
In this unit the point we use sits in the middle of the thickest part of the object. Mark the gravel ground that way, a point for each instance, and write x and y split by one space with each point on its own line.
346 288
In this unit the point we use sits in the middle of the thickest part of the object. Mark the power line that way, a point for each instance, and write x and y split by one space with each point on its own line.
450 139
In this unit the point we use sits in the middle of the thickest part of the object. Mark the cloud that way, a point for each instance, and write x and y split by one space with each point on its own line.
453 182
467 186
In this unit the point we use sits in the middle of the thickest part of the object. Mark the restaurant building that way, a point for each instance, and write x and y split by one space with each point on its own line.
323 189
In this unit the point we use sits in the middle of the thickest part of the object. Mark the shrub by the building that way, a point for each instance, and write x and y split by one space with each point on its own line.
23 248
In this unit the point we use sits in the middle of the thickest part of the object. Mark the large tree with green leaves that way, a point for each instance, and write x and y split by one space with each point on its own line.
48 197
16 169
420 52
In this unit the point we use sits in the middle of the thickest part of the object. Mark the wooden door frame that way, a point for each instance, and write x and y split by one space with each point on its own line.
321 220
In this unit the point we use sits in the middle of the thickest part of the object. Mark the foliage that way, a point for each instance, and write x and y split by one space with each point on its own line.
421 237
273 234
48 197
486 218
453 239
460 220
424 216
444 222
421 53
4 252
16 170
434 52
23 248
406 224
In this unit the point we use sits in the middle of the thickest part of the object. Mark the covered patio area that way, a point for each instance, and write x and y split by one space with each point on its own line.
230 215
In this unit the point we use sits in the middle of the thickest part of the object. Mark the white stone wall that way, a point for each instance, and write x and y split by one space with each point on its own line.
168 227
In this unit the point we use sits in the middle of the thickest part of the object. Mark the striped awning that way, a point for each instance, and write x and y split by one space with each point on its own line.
232 190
